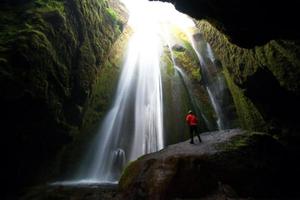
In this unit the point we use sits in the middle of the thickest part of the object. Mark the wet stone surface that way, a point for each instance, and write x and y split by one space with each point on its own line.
70 192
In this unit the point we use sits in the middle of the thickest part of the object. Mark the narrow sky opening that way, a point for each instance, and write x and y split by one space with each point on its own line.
154 15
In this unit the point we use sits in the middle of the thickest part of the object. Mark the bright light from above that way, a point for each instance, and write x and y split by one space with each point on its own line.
154 15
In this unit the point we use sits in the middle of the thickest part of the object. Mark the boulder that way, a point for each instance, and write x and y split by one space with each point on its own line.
227 164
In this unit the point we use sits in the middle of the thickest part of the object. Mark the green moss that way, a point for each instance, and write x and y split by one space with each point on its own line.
187 61
112 14
49 5
235 143
282 59
176 100
106 82
242 65
52 62
248 115
166 62
114 18
128 174
245 140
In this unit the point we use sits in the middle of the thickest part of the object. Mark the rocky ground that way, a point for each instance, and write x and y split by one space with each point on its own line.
70 192
230 164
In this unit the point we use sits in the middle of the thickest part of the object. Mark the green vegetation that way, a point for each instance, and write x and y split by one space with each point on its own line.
112 14
282 59
248 115
49 5
176 100
189 63
275 65
56 65
106 82
128 174
237 142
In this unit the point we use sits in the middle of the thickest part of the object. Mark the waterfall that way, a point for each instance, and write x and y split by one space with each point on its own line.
213 79
184 78
134 125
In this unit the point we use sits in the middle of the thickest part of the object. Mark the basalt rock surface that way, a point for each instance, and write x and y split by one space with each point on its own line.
264 81
257 44
227 164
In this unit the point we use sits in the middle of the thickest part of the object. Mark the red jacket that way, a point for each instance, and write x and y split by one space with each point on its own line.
191 120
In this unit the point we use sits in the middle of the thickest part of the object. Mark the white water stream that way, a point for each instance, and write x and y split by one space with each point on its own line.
134 126
213 80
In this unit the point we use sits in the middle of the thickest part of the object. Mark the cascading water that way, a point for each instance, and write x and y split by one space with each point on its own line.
184 77
134 125
213 80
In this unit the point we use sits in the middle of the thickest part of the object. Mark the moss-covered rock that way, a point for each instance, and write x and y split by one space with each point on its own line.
100 101
264 81
187 60
52 54
176 101
230 164
248 115
189 63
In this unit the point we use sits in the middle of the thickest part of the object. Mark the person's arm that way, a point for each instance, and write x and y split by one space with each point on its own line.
187 119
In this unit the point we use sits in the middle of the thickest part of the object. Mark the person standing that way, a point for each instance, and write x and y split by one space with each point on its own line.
192 122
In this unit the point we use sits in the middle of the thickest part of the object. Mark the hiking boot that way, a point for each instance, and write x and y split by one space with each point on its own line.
199 139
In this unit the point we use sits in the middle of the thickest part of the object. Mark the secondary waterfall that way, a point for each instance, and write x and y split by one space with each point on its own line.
134 125
212 79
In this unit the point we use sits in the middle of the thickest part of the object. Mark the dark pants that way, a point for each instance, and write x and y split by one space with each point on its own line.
194 130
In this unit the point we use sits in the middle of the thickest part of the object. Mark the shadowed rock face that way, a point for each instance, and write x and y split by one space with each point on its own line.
257 44
51 56
246 23
231 163
263 80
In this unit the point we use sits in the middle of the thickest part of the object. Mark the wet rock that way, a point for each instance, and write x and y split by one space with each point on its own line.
264 82
178 47
231 163
51 59
75 192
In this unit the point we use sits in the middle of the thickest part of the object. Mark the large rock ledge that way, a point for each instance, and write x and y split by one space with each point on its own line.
231 163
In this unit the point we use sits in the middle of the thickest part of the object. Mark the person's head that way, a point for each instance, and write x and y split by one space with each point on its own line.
190 112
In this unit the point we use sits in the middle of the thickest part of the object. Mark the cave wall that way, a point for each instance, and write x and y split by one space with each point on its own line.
264 81
51 56
258 45
246 23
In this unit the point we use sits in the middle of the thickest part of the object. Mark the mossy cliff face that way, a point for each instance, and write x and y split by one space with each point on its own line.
183 87
264 78
71 157
183 92
52 54
264 81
